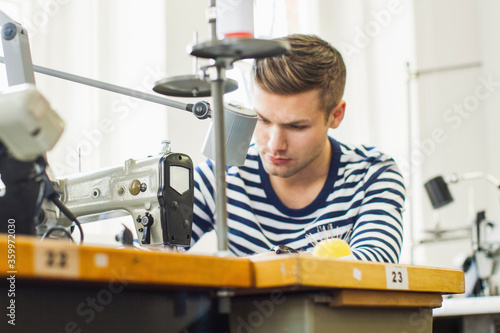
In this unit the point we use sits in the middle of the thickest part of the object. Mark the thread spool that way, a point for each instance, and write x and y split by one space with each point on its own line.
234 19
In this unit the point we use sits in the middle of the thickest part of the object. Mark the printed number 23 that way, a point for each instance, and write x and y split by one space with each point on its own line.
397 277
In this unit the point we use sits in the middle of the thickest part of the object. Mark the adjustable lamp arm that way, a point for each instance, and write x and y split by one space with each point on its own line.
16 49
455 178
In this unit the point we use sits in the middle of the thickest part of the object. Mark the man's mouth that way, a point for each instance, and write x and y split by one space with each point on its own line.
278 160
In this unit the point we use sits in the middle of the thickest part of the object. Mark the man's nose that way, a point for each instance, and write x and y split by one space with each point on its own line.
277 139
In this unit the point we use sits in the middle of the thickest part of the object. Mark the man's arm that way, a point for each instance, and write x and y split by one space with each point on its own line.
204 203
378 231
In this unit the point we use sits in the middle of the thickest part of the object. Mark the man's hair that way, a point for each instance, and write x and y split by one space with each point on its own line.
311 63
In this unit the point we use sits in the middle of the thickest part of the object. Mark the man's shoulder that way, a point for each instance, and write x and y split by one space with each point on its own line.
367 161
362 154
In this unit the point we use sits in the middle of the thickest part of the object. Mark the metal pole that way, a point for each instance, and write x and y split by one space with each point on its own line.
217 87
212 14
410 169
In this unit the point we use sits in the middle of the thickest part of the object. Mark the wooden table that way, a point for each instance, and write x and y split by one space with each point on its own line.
61 287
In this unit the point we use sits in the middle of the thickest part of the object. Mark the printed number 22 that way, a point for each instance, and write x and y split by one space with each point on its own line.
56 259
50 261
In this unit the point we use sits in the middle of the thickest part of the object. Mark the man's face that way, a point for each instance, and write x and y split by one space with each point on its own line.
291 132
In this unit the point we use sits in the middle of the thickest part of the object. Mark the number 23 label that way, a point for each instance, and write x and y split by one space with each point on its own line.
396 277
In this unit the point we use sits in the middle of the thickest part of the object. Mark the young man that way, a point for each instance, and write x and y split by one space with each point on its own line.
297 180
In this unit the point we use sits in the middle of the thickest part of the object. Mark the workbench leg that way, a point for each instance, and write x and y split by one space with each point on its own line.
293 313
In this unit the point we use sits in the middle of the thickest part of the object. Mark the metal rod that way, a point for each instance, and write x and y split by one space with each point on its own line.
411 202
431 240
217 87
416 74
195 59
480 175
212 20
108 87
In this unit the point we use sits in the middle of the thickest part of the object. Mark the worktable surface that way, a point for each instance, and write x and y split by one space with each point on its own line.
61 260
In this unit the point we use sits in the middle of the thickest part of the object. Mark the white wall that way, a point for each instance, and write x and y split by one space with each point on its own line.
457 114
490 55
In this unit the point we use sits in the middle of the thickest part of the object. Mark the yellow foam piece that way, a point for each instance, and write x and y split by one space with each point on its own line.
332 248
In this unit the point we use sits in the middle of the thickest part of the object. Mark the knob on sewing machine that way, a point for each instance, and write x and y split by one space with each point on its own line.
147 221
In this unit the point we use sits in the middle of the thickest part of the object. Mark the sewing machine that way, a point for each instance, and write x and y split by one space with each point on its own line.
156 191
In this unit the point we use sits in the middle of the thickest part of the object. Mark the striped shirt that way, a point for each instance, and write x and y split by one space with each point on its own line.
361 202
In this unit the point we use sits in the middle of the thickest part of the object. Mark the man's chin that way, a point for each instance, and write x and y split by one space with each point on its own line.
279 171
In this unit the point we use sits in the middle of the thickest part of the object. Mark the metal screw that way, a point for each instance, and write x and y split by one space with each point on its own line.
9 31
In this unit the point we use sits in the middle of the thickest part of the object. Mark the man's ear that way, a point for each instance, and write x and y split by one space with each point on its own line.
337 114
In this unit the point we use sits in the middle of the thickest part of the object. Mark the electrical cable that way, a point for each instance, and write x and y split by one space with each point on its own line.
48 191
51 230
39 203
68 214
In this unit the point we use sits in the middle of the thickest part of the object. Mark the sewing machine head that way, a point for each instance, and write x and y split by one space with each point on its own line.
156 191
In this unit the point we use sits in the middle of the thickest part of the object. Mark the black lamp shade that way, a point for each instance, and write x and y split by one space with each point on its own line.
438 192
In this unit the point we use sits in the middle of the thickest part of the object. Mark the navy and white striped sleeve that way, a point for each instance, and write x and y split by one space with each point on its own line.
378 230
204 202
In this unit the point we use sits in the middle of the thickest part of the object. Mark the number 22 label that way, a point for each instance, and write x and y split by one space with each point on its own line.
57 262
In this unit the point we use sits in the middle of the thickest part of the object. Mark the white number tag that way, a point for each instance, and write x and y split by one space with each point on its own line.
396 277
50 261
